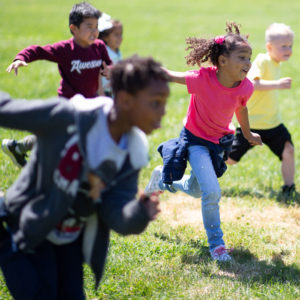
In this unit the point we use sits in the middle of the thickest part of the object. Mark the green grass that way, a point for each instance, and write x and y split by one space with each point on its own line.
170 260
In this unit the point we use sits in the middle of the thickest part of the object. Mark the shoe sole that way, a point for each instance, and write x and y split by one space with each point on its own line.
8 153
154 177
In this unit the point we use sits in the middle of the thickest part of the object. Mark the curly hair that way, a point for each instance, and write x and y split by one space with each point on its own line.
203 50
135 73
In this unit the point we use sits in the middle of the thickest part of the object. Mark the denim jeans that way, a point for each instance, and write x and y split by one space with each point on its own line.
202 182
50 273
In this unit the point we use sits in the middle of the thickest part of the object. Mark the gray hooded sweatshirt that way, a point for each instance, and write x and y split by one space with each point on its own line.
51 186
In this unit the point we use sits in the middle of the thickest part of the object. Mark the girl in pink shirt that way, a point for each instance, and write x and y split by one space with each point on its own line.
217 92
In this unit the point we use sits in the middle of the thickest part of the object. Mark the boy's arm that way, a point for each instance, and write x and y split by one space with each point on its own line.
36 116
121 212
178 77
242 117
33 53
100 90
266 85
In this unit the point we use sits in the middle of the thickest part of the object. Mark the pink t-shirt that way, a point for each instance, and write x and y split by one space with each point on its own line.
212 105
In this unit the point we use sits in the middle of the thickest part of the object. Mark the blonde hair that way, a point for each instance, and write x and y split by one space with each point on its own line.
278 30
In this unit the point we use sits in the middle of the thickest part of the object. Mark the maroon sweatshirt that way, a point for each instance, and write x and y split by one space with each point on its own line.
78 67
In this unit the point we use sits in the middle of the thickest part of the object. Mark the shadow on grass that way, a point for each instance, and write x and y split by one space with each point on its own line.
268 192
245 266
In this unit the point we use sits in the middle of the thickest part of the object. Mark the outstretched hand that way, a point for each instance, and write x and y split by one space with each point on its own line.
15 65
151 203
285 83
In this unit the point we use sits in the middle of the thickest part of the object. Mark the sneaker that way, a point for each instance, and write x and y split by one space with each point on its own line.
153 184
9 148
220 253
288 192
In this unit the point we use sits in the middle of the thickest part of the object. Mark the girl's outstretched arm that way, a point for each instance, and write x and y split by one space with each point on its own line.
242 117
178 77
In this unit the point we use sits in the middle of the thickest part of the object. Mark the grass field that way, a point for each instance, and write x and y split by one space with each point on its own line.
171 260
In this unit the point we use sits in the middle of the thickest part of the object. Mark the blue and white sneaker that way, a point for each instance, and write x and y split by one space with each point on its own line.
153 184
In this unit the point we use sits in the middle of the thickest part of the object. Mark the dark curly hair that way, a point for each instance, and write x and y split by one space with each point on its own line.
203 50
134 74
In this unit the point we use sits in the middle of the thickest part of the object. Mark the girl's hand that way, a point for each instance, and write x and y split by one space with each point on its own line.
151 204
96 185
254 139
15 65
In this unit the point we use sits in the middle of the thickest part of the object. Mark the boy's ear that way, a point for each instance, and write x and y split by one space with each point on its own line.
125 101
73 28
268 46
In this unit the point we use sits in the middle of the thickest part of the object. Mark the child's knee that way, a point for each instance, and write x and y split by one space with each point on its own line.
195 192
212 196
230 161
288 150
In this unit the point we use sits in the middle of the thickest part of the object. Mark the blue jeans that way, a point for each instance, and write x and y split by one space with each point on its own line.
202 182
49 273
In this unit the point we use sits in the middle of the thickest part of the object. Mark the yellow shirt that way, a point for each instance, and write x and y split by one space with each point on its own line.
263 106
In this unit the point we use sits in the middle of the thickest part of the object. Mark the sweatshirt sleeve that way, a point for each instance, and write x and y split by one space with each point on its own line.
105 55
35 116
120 211
49 52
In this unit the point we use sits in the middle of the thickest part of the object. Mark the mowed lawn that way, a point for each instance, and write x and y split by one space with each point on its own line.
171 259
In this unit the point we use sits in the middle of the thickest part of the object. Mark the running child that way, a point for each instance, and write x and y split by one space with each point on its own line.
111 33
263 106
80 182
79 59
217 92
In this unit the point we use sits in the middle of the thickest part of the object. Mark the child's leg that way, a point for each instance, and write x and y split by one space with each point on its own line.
288 164
203 181
188 184
70 271
279 141
32 276
202 167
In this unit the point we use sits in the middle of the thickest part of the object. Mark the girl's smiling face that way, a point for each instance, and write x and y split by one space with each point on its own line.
115 38
234 67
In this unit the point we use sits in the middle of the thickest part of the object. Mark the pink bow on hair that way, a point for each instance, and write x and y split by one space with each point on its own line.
220 39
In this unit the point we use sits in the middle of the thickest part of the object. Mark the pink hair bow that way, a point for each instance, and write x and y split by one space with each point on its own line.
220 39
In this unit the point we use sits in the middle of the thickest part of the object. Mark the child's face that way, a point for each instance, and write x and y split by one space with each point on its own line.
236 66
148 106
86 34
114 39
280 49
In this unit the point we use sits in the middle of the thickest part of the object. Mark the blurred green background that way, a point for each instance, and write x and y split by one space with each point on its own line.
170 262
